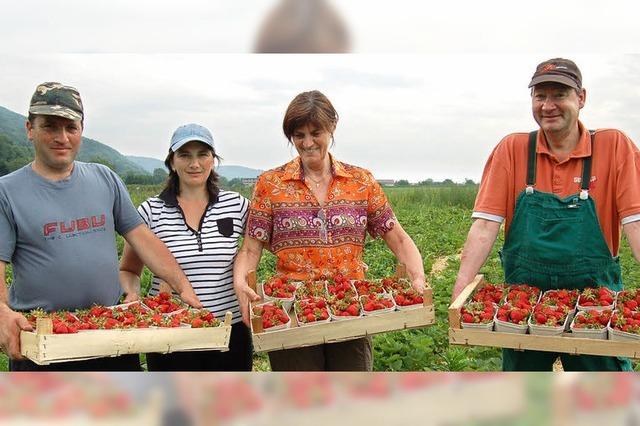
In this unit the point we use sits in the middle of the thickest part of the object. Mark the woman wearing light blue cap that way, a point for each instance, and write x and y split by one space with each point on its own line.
200 224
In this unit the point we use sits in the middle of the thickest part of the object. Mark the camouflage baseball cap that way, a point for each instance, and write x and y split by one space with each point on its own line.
57 99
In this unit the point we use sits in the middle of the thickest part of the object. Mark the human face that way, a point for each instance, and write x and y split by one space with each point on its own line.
193 163
56 141
312 144
556 107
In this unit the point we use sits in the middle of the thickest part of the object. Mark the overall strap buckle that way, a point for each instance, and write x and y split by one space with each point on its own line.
529 190
584 194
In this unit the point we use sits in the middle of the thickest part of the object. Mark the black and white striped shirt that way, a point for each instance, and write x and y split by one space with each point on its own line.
205 255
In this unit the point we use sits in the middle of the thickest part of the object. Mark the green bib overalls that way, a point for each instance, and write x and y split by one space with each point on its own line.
557 242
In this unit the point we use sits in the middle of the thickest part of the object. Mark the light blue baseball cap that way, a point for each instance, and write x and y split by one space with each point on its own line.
190 132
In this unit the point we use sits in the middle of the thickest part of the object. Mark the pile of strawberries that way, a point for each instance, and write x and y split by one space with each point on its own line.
311 310
550 314
478 312
627 314
489 292
163 303
523 295
629 323
347 306
629 299
368 287
279 287
554 308
376 301
513 314
311 288
592 319
561 297
402 291
166 312
518 304
596 297
272 314
340 287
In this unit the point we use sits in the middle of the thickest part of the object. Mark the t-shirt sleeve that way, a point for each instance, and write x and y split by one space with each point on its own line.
144 210
628 179
125 215
7 230
244 212
380 217
260 219
493 194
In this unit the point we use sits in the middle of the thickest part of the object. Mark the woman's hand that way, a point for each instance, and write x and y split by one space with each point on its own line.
131 297
419 284
246 260
188 296
245 295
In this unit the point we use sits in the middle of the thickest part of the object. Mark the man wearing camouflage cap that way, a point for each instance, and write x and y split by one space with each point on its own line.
564 194
58 219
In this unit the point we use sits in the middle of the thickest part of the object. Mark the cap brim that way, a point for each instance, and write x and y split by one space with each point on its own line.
554 78
56 110
179 144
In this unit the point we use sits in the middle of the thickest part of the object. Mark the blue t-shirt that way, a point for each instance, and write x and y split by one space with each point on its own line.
59 236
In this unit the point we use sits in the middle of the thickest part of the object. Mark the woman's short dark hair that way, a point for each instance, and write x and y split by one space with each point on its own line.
309 108
173 181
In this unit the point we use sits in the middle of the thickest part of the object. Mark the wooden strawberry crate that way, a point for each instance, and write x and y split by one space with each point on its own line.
564 343
337 331
43 347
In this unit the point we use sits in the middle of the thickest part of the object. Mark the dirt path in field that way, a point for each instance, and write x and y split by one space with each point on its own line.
440 264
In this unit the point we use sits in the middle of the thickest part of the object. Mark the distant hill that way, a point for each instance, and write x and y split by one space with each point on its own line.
229 172
147 163
13 135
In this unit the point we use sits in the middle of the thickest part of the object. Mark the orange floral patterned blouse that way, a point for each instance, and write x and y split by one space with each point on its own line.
310 240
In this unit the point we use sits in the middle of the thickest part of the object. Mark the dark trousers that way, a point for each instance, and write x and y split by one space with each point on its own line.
239 357
117 363
352 355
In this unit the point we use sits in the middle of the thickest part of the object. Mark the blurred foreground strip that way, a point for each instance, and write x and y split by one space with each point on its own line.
357 398
70 399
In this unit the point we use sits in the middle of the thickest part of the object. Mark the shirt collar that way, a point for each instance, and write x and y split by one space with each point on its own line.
170 197
582 149
293 169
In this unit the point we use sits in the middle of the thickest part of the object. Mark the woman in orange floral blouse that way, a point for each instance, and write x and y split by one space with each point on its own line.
313 213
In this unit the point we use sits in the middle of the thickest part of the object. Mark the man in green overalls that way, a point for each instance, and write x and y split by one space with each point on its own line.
564 193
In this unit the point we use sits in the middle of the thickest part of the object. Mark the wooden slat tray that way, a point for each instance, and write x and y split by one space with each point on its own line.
564 343
43 347
337 331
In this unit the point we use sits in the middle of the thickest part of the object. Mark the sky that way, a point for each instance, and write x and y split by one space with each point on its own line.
426 91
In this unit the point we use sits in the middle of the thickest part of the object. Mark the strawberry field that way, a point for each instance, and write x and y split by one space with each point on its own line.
437 218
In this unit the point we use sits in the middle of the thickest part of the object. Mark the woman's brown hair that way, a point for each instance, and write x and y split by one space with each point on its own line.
309 108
